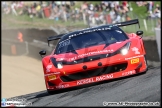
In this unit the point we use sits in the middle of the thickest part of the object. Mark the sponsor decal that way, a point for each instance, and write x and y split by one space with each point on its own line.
89 54
52 77
56 73
62 86
135 49
85 81
64 43
134 57
128 73
136 60
52 73
48 68
95 79
88 31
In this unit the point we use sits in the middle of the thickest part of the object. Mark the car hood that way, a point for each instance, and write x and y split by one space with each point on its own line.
89 51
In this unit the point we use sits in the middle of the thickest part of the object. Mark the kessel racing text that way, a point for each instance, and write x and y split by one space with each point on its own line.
90 80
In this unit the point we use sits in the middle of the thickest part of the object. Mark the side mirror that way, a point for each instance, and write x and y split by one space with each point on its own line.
42 52
139 33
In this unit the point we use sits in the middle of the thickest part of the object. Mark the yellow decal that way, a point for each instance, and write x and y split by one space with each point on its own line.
52 77
136 60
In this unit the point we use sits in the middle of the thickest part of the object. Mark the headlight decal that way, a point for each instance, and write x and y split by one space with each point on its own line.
54 62
58 65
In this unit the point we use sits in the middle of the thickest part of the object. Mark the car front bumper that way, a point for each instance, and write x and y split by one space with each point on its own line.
134 65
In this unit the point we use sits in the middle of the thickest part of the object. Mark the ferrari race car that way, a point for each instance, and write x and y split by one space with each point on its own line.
92 55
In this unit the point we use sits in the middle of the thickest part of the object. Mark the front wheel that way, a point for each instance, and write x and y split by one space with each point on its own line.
50 92
145 60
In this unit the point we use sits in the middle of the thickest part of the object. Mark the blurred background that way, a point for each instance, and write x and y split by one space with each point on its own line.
76 15
26 26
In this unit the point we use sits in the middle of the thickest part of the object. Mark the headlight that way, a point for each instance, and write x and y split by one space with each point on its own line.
125 49
59 65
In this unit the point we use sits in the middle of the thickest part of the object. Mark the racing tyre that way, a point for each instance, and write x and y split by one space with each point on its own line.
50 92
146 63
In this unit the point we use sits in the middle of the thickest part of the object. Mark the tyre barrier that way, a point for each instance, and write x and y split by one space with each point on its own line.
10 38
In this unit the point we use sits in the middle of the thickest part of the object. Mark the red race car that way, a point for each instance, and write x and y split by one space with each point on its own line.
92 55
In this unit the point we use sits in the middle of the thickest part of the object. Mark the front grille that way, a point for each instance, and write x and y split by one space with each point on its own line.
94 72
50 84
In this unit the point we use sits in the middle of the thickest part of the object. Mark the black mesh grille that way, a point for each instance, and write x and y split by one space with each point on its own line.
94 72
50 84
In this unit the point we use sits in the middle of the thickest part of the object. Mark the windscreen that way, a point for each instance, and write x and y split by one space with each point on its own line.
103 36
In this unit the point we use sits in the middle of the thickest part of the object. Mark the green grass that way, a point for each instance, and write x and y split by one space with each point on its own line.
141 11
25 21
150 29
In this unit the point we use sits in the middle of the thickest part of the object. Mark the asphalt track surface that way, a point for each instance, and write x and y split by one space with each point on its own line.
139 88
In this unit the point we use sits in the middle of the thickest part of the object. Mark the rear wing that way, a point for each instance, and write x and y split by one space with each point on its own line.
51 38
126 23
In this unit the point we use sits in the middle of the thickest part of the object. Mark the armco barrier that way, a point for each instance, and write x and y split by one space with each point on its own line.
41 35
158 40
151 48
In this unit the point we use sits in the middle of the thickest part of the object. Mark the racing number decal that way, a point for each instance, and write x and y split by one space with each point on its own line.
136 60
